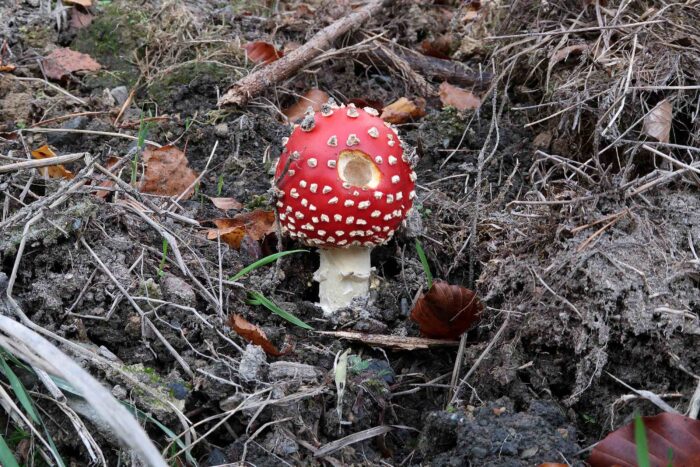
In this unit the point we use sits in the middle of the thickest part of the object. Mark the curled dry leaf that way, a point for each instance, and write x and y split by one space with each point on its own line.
262 52
459 98
167 172
563 54
404 110
62 62
657 123
52 171
313 98
255 224
253 334
666 433
446 311
226 204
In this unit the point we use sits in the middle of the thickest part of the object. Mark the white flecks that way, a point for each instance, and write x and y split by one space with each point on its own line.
280 204
376 228
352 112
385 228
332 141
325 218
313 187
373 132
392 160
397 213
404 157
312 207
357 233
368 243
390 136
295 155
288 209
308 123
291 227
321 232
412 194
376 213
378 194
391 143
326 190
330 239
378 159
361 222
299 215
294 193
349 220
399 195
283 216
304 202
307 226
312 162
285 140
342 242
413 176
339 233
372 111
389 198
352 140
302 183
316 241
395 179
363 205
337 218
326 110
348 203
387 217
356 243
291 172
331 163
333 200
369 233
346 185
387 124
314 220
291 220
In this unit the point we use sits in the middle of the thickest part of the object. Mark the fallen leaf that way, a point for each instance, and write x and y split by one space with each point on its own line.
666 433
563 54
255 224
7 68
167 172
446 311
52 171
253 334
313 98
459 98
83 3
107 183
80 19
438 48
471 11
262 52
657 123
389 341
403 110
226 203
62 62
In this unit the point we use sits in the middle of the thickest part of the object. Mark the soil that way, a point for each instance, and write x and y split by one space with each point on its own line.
584 284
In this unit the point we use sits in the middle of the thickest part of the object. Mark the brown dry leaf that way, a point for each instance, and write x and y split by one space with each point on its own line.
389 341
438 48
253 334
262 52
657 123
313 98
226 203
459 98
62 62
446 311
563 54
666 433
83 3
403 110
471 11
107 183
167 172
7 68
255 224
53 171
80 19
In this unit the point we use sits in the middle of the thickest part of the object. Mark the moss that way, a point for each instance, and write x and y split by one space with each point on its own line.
162 89
37 36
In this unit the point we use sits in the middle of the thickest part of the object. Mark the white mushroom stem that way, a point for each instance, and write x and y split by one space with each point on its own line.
342 275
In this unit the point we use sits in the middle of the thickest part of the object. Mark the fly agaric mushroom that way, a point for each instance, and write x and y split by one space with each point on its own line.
343 185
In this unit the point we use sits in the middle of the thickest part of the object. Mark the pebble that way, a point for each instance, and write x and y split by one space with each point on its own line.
120 94
178 291
76 123
221 130
252 363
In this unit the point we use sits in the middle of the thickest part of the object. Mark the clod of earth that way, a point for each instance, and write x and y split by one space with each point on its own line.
344 184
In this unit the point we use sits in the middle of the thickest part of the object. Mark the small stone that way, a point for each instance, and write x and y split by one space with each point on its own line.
282 370
120 94
221 130
252 363
178 291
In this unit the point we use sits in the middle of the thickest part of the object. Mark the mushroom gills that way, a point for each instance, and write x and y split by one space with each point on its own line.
342 275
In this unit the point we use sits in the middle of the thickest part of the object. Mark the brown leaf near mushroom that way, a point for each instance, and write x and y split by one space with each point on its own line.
459 98
52 171
255 224
167 172
666 433
446 311
657 123
253 334
262 52
62 62
313 98
404 110
226 204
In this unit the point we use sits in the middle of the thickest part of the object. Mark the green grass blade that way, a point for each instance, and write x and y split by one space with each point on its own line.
263 262
424 262
20 392
7 458
260 299
640 442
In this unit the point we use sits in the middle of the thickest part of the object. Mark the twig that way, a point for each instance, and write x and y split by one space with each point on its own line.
36 163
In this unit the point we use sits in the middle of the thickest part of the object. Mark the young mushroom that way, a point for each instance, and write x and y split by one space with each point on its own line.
343 185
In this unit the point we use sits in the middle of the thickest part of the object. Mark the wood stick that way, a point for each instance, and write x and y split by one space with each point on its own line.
255 83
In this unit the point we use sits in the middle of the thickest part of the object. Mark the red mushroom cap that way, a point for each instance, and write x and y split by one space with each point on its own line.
343 179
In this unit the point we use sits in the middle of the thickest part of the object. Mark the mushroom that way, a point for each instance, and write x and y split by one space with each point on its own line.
344 185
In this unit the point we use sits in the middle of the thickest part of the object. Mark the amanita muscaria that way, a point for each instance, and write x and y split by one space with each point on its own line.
344 185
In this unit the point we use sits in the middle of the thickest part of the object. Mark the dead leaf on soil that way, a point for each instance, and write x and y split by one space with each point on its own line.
255 224
471 11
438 48
80 18
563 54
253 334
7 68
392 342
459 98
262 52
83 3
226 204
313 98
446 311
657 123
62 62
666 433
53 171
167 172
403 110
